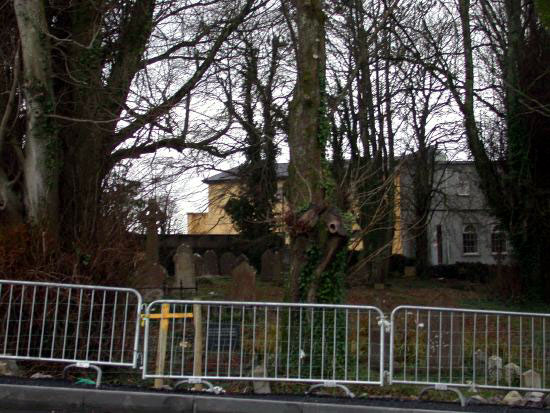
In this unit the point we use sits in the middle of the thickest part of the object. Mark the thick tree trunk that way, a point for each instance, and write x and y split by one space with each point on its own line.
83 172
316 237
42 159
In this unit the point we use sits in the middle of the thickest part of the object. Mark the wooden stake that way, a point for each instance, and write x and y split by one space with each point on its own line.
197 345
161 345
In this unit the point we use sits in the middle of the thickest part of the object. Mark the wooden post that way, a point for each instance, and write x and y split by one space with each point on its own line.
197 345
161 345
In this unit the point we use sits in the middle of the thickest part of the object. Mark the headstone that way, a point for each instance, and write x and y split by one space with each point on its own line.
227 262
272 265
198 261
260 387
494 365
531 379
210 263
150 279
243 281
511 371
184 267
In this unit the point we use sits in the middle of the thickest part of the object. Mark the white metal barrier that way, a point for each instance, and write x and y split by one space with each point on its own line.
448 348
84 325
332 345
322 344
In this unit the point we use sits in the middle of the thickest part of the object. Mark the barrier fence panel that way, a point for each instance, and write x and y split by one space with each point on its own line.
69 323
470 348
216 340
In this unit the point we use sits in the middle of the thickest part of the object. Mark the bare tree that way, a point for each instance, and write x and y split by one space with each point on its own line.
88 106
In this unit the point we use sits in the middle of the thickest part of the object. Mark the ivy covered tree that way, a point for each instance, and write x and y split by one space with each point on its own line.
318 237
99 85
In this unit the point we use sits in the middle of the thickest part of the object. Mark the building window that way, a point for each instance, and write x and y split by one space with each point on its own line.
499 242
469 239
463 187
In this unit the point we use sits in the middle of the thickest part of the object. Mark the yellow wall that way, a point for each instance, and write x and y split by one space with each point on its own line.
216 221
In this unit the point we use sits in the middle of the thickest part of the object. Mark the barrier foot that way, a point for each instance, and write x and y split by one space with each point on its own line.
85 366
332 384
211 388
444 387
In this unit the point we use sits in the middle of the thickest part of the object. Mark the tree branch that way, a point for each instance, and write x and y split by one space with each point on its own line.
163 108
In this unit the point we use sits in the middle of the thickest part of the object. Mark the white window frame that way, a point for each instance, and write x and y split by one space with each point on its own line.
476 239
497 229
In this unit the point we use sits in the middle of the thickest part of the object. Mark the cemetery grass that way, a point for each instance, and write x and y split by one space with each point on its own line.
396 291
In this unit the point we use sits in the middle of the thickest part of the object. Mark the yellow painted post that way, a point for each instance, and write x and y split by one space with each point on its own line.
161 345
197 345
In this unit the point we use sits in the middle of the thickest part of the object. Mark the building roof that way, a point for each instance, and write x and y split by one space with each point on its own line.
233 174
282 172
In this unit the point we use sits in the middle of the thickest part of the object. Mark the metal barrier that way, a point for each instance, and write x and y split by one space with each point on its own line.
452 348
332 345
84 325
322 344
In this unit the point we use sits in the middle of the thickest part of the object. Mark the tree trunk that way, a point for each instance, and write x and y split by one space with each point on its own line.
316 247
42 159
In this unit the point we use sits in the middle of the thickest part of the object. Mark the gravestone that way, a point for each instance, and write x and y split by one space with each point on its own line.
266 270
531 379
184 267
150 279
210 263
272 266
243 281
511 371
198 261
227 262
494 366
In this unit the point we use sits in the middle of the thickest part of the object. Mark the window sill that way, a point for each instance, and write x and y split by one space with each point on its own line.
471 254
499 253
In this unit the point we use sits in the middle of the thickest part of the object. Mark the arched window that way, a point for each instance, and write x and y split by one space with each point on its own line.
499 241
469 239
